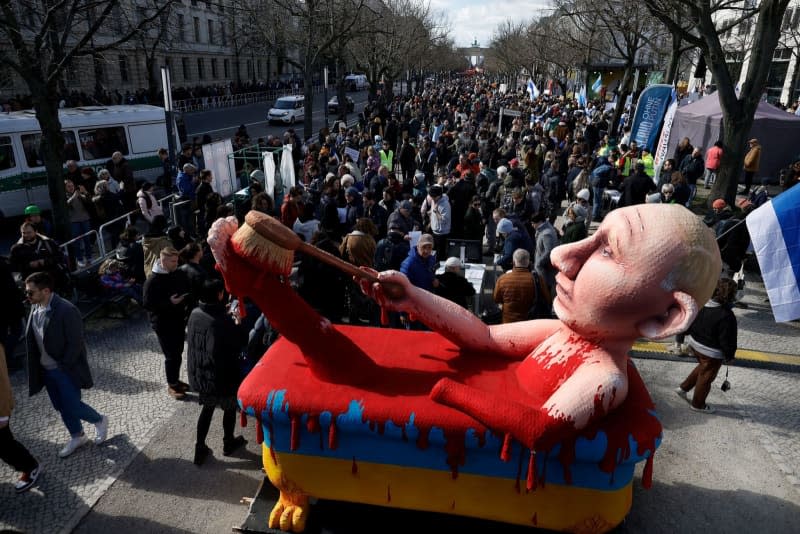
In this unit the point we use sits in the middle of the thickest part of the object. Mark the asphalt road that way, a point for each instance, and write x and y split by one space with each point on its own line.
222 123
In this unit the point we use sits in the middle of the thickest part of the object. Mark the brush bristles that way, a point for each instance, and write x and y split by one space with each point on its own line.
261 251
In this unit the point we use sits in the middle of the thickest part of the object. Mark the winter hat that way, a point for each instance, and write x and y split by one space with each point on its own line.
351 192
452 262
719 204
580 213
436 191
583 194
406 205
504 226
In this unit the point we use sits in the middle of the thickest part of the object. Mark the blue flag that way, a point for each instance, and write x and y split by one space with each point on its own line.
598 83
533 91
775 231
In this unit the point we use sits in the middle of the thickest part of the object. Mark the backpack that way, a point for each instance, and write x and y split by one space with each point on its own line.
542 304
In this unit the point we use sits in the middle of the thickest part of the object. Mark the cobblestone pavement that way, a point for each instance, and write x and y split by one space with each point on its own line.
130 389
738 466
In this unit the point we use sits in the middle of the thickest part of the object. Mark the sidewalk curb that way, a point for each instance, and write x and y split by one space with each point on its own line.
744 357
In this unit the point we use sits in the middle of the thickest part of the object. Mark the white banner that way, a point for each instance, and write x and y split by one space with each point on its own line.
215 156
661 149
269 174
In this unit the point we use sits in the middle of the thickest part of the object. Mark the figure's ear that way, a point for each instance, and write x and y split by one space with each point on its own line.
676 319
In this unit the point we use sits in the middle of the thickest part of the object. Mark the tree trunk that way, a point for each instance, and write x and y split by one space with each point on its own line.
152 82
735 134
388 89
308 102
674 59
622 95
45 103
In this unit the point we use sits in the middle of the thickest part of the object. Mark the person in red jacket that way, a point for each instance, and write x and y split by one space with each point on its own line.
713 158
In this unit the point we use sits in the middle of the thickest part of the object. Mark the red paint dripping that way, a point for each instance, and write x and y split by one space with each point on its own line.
271 443
242 419
294 437
312 424
388 493
456 451
403 434
530 484
534 519
481 438
354 467
567 458
453 505
372 426
259 432
519 473
647 475
505 452
422 440
333 441
381 427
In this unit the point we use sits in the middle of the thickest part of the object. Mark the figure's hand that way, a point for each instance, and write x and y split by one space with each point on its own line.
390 292
177 299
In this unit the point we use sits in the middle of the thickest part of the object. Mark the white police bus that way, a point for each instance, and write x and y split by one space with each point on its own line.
91 135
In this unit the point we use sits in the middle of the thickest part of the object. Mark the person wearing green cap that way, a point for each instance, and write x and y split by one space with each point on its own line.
33 215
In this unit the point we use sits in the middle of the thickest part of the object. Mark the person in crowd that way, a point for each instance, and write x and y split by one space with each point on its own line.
693 168
35 252
113 184
187 196
513 237
148 204
575 226
57 360
292 206
263 202
546 241
33 215
666 195
474 227
712 340
114 279
178 237
515 291
80 217
121 170
636 187
402 217
12 451
165 298
436 210
713 159
752 163
214 342
322 284
419 267
189 259
453 286
204 190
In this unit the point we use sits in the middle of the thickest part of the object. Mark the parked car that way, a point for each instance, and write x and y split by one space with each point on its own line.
287 109
333 104
356 82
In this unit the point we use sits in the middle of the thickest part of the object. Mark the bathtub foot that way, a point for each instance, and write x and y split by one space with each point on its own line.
290 512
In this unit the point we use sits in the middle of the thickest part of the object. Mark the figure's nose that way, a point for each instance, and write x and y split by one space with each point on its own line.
570 258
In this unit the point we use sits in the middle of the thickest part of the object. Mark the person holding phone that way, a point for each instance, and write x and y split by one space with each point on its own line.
165 292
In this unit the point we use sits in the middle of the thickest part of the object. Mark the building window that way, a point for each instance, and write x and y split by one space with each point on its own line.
222 34
185 68
210 31
197 29
123 68
249 68
201 72
782 54
181 28
214 73
226 68
259 67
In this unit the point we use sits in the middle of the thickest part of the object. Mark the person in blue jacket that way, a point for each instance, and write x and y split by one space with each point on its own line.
420 268
513 238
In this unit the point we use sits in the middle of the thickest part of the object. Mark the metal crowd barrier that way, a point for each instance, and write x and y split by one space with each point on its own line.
203 103
92 260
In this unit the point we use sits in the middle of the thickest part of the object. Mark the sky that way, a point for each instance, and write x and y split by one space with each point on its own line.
477 19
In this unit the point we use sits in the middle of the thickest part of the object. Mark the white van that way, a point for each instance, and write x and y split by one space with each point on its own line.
356 82
287 109
91 135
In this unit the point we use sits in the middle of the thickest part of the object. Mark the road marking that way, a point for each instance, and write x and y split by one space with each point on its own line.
741 354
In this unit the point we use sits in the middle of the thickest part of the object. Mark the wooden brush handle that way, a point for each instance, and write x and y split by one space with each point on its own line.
276 232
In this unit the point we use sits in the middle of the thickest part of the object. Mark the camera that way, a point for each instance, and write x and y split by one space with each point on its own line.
726 385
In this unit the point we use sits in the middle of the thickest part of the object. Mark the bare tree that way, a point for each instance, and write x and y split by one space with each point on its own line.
507 45
43 38
701 24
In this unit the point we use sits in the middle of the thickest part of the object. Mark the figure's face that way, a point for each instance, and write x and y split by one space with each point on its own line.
169 263
611 281
36 295
425 250
28 234
69 187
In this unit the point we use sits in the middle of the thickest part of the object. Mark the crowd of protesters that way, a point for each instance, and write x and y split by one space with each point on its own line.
416 173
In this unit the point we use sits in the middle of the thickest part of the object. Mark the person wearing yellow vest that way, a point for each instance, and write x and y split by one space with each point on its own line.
647 160
387 155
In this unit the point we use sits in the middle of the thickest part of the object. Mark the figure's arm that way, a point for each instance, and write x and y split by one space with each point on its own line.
459 325
583 398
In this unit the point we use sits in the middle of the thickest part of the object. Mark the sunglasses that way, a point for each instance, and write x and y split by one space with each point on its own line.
29 292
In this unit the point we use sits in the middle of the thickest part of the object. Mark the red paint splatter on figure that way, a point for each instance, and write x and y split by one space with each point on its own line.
259 432
530 484
333 441
354 467
294 436
242 419
647 475
388 493
312 424
422 439
519 474
456 451
505 451
453 505
535 519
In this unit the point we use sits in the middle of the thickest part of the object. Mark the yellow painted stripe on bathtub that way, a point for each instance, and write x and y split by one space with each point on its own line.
556 507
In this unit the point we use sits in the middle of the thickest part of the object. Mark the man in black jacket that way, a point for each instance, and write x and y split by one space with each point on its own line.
214 344
165 292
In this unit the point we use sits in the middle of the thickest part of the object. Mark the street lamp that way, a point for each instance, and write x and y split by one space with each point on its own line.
325 96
